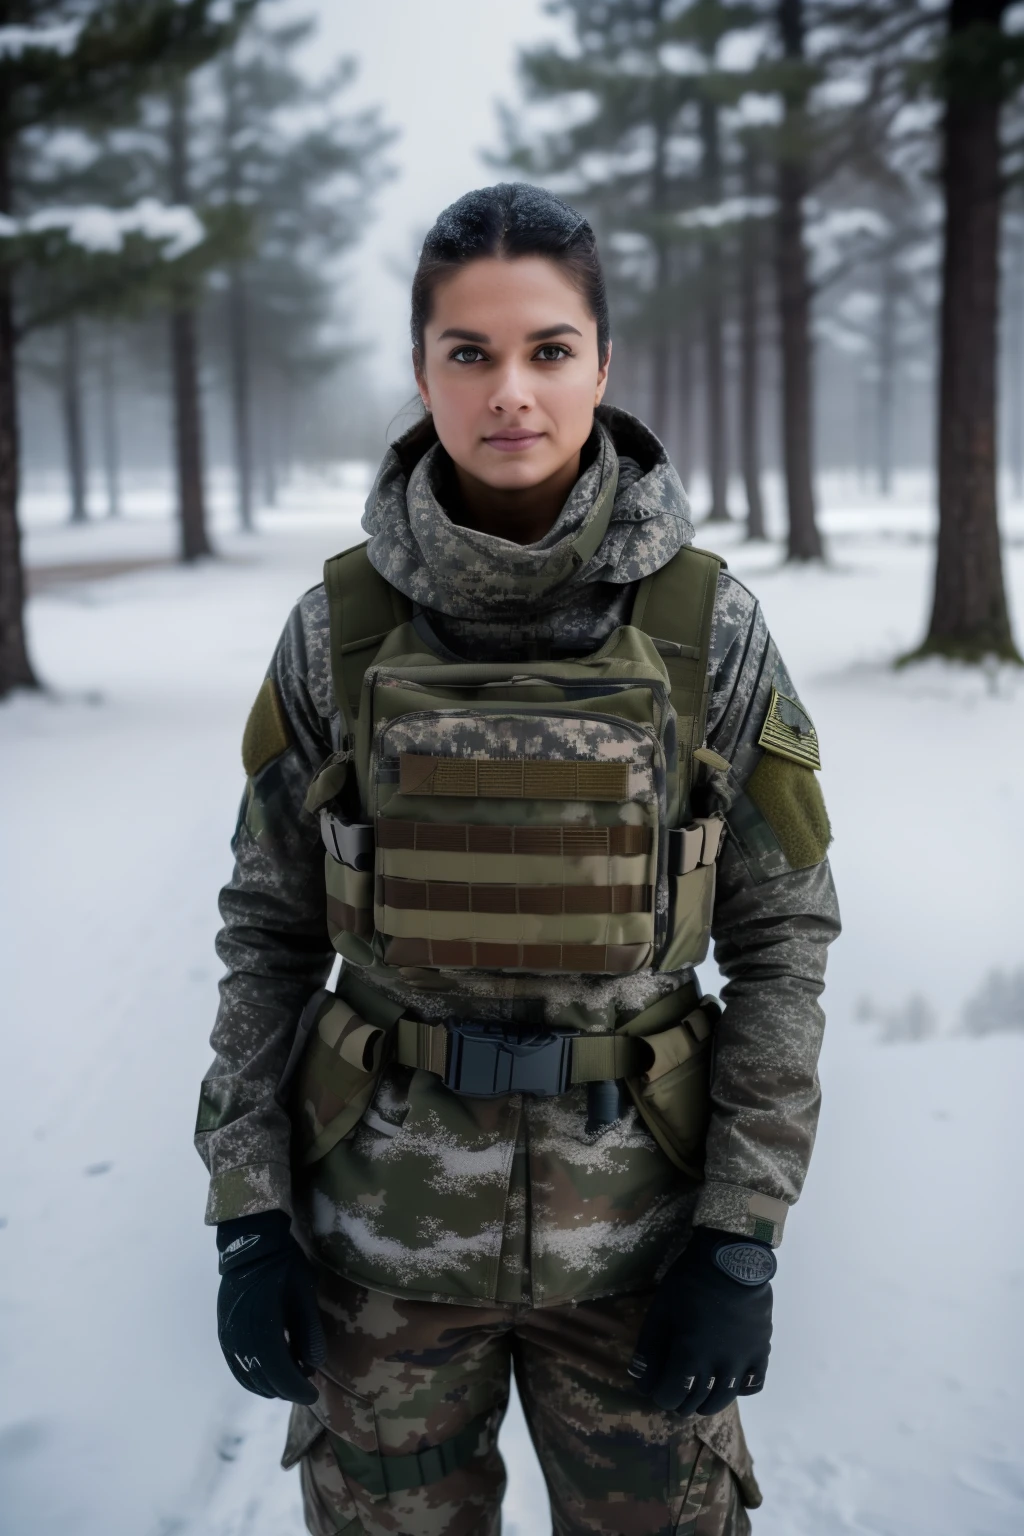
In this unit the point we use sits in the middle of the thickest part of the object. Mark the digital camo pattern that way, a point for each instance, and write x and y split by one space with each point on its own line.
509 1200
586 1206
402 1376
481 590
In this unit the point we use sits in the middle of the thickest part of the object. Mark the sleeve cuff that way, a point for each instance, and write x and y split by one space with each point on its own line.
248 1190
744 1211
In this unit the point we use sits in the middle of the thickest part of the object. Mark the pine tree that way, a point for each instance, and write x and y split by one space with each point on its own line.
65 63
980 66
307 184
648 163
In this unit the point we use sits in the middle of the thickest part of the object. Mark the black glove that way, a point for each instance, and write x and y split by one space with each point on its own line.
705 1339
267 1317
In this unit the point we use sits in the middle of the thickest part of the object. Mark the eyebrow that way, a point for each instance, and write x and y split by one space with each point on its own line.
550 331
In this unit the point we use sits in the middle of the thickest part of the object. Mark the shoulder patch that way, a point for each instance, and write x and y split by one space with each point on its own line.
267 733
789 732
789 798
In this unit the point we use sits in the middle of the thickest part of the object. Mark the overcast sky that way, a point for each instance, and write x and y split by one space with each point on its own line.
436 67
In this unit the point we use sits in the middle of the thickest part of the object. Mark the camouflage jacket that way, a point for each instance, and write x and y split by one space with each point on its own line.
512 1200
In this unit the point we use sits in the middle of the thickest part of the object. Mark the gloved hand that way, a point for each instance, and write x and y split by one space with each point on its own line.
267 1316
705 1339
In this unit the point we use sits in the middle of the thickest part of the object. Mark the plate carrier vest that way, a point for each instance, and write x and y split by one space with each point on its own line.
520 818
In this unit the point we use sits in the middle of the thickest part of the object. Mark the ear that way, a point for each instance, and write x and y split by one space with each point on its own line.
421 383
602 376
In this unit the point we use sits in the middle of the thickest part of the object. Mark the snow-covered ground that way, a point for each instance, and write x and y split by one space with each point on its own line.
894 1403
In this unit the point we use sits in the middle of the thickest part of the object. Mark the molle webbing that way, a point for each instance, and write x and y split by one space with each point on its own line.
559 841
363 608
541 900
512 778
461 954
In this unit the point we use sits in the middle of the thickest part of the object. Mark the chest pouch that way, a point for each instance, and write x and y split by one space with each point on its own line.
519 818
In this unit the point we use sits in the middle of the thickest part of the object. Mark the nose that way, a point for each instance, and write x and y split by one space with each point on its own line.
511 394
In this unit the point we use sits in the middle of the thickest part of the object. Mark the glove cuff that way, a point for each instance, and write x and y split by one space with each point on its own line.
247 1239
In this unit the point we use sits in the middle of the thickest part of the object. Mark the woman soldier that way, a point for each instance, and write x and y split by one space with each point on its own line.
514 760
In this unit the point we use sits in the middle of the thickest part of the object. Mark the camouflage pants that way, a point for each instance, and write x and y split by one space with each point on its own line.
404 1435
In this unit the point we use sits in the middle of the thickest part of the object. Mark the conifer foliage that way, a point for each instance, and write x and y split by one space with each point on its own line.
68 64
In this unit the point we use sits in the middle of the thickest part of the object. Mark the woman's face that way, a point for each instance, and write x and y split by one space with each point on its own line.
510 370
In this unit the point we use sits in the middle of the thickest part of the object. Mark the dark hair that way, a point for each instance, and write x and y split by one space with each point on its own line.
509 220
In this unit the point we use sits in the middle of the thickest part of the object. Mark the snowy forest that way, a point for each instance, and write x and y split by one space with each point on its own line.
811 217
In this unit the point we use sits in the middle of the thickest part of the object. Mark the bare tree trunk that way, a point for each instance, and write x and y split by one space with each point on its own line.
750 356
714 348
241 399
15 667
1015 367
188 439
71 415
685 404
794 298
887 322
661 359
111 437
267 437
970 616
237 309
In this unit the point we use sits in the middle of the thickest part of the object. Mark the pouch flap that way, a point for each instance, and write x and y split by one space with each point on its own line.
328 781
723 1434
304 1430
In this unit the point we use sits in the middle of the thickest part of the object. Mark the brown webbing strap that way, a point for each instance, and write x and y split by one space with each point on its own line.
363 609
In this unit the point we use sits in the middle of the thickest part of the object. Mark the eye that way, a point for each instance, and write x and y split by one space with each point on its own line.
552 352
466 355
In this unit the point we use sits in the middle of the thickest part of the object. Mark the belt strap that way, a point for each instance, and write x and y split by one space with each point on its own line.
381 1475
595 1058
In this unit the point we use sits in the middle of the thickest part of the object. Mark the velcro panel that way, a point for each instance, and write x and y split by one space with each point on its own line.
512 778
789 798
267 733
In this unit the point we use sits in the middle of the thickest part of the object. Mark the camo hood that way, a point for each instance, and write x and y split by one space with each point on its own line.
625 517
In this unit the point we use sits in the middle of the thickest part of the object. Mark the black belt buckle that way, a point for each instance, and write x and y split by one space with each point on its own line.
486 1061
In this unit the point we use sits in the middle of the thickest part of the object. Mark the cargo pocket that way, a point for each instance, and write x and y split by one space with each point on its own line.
327 1505
721 1486
335 1080
674 1095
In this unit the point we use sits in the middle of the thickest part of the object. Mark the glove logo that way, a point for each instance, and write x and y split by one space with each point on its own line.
746 1263
246 1361
239 1246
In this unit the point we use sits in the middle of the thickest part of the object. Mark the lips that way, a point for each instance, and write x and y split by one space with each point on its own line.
513 441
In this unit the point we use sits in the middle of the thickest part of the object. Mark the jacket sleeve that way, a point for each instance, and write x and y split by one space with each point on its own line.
772 925
274 941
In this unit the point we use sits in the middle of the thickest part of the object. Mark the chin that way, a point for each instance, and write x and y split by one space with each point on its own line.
515 476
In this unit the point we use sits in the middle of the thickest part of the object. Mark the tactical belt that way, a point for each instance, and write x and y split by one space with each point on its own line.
483 1060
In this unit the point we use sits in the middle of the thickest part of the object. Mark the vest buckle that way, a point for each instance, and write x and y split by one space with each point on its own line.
487 1061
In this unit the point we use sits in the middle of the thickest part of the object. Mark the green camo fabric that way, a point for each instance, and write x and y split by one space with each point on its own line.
426 1194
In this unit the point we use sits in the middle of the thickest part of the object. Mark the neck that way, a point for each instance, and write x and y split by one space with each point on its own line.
521 516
